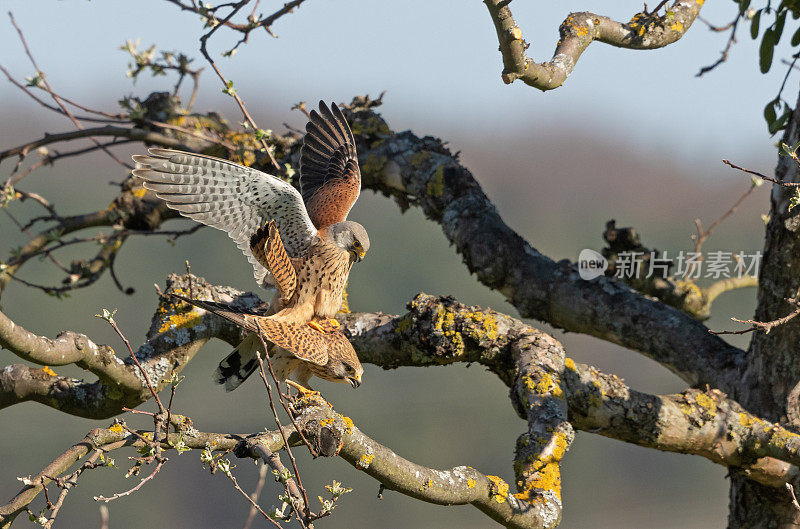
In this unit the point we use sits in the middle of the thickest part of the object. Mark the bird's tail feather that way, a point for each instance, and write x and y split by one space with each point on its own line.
240 364
224 310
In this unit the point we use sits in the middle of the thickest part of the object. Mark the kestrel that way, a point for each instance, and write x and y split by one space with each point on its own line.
300 243
327 354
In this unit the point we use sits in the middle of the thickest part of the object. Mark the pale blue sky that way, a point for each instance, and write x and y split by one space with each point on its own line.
437 59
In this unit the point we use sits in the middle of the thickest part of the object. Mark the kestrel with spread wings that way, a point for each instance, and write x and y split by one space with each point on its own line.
300 243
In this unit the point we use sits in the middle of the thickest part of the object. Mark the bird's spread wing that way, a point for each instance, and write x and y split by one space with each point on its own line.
329 175
305 342
267 248
230 197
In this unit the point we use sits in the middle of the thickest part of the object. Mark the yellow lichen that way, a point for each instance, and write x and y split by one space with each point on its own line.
419 157
373 165
116 428
445 322
545 385
470 483
488 325
139 192
49 371
499 491
569 363
348 423
706 402
436 183
548 478
179 321
404 324
781 437
559 448
365 460
676 26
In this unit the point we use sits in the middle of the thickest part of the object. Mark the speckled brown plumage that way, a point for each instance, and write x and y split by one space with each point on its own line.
267 248
301 244
326 353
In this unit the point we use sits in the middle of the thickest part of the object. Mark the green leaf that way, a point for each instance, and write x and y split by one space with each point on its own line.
778 28
766 51
743 5
754 25
796 38
769 112
780 123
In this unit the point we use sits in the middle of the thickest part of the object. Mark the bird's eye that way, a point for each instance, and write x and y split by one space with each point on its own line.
348 368
356 245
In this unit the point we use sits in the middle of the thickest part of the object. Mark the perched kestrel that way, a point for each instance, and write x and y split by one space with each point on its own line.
327 354
301 244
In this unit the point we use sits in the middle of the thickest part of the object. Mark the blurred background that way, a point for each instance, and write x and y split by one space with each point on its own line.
633 136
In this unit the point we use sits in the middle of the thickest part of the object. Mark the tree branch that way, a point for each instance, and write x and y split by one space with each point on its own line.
645 31
176 333
549 390
423 172
115 438
146 136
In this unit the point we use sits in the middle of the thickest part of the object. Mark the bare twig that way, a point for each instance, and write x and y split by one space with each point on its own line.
766 326
263 469
794 498
108 130
703 235
228 85
135 488
301 516
103 517
146 378
56 97
763 177
109 118
727 49
250 500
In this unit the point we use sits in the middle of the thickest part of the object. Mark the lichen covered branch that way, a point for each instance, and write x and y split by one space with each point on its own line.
645 31
109 439
552 392
439 331
176 333
423 172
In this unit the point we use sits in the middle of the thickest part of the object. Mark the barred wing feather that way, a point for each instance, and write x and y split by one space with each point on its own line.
235 199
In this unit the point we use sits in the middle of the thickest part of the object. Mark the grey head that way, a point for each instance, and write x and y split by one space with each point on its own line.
351 237
347 370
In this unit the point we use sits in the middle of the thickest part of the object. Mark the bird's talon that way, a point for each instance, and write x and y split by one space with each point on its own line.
334 323
316 326
303 391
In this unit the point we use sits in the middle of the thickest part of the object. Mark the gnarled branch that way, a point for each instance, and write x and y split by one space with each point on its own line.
423 172
645 31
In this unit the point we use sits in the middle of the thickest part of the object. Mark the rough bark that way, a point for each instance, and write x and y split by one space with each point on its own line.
645 31
769 386
423 172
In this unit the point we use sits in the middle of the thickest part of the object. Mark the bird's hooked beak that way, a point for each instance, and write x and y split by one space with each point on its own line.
354 381
358 256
